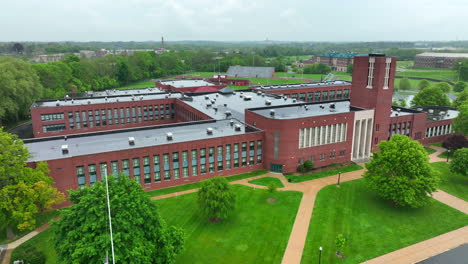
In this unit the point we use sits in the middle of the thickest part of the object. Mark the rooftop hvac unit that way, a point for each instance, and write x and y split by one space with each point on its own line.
430 111
169 136
272 112
209 131
89 101
231 122
294 100
268 102
247 98
57 103
332 106
419 109
64 149
131 141
237 127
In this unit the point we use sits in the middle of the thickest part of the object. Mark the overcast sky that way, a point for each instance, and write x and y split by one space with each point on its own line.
222 20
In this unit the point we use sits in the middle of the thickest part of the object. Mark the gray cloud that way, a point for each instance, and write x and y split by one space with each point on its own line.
298 20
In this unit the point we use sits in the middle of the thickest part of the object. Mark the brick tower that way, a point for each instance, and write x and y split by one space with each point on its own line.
372 88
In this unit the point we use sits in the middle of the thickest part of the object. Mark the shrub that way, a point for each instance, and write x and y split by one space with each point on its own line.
29 255
301 168
272 186
308 165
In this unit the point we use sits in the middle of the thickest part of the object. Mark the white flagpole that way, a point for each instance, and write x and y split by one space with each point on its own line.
110 219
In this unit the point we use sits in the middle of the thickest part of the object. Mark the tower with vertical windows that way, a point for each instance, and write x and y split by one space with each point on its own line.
372 88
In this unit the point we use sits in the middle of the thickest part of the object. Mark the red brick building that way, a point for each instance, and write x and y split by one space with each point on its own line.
167 139
189 86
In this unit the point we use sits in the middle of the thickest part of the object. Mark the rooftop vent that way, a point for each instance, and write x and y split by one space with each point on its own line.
65 138
58 103
430 111
259 92
141 97
237 127
332 106
72 101
285 98
169 136
247 98
231 122
272 112
294 100
117 99
207 97
322 107
131 141
209 131
213 101
398 110
268 102
105 98
64 149
89 101
133 98
225 105
208 104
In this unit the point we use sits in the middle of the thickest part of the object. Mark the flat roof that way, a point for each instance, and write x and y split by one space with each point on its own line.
103 100
43 149
186 83
235 103
115 92
449 55
306 110
437 113
399 111
302 85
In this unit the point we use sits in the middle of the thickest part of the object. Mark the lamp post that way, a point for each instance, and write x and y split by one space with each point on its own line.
448 155
459 69
320 255
339 177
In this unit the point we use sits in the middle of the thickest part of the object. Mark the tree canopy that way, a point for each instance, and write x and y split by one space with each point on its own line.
405 84
462 98
431 96
459 163
460 86
423 84
460 123
317 68
140 235
455 142
24 191
216 198
400 172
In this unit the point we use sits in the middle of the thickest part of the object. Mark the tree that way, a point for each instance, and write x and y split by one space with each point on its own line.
301 168
462 68
28 254
216 198
423 84
460 86
18 48
444 86
350 68
308 165
459 163
317 68
340 242
405 84
400 172
461 99
24 191
139 233
431 96
455 142
272 186
19 87
460 123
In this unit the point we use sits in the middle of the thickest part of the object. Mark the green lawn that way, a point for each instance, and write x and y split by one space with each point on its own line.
238 87
317 77
433 74
429 150
257 231
372 226
452 183
194 185
414 84
43 243
312 176
437 144
143 84
266 181
445 154
41 219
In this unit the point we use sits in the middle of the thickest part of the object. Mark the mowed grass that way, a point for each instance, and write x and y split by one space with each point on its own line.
452 183
429 150
372 226
256 232
194 185
433 74
43 243
138 85
317 77
266 181
41 219
317 175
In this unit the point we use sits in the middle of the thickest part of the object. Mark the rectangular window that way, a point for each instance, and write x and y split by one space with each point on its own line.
70 120
302 96
91 118
370 75
202 160
98 120
228 157
126 167
211 158
310 97
109 116
103 170
145 113
325 95
52 128
346 93
342 153
81 176
339 94
220 158
259 151
139 114
133 114
146 170
175 164
317 96
136 169
294 96
332 155
322 156
84 118
127 114
332 95
50 117
161 110
115 167
185 172
176 174
150 112
167 174
157 169
92 174
77 118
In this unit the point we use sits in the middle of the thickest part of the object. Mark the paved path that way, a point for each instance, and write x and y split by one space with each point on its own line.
425 249
433 157
451 201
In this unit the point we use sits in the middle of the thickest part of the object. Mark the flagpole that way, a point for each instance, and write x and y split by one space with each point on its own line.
110 219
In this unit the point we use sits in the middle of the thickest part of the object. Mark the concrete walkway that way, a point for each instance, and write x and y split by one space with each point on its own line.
433 157
451 201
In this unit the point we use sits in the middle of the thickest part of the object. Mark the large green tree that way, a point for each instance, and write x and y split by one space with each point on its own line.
216 198
423 84
405 84
19 87
461 99
431 96
460 123
24 191
460 86
400 172
459 163
139 233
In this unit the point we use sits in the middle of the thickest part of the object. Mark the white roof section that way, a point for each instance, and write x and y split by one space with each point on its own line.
187 83
115 92
444 55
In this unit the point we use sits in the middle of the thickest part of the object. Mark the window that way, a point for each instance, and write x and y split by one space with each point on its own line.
332 155
325 95
211 158
220 158
310 97
84 118
109 116
157 169
92 174
388 62
136 169
98 120
322 156
339 94
91 118
175 164
317 96
53 128
228 157
176 174
302 96
126 167
251 152
194 158
342 153
81 176
346 93
103 170
127 114
185 162
139 114
103 117
150 108
370 76
294 96
115 167
146 170
332 95
167 175
50 117
70 120
145 113
259 151
133 114
236 155
77 117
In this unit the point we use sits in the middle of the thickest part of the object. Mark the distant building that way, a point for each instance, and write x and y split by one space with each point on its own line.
189 86
336 61
251 72
438 60
48 58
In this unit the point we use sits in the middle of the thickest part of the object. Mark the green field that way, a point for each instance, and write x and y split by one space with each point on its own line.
372 226
317 77
266 181
439 74
142 84
455 184
313 176
257 232
43 243
194 185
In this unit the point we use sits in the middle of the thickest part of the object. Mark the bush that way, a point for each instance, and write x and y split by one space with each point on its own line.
423 84
405 84
29 254
317 68
444 86
272 187
308 165
460 86
301 168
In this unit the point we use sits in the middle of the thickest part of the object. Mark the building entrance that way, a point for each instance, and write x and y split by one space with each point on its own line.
276 168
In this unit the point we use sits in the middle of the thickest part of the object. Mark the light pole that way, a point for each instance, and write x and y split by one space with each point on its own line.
448 154
320 255
459 69
339 177
110 218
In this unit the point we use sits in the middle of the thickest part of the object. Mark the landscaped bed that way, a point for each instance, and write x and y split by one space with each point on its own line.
322 172
371 225
453 183
266 181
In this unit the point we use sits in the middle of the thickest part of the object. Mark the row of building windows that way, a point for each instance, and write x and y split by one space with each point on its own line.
320 95
53 128
178 165
323 156
122 115
400 129
316 136
438 130
50 117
